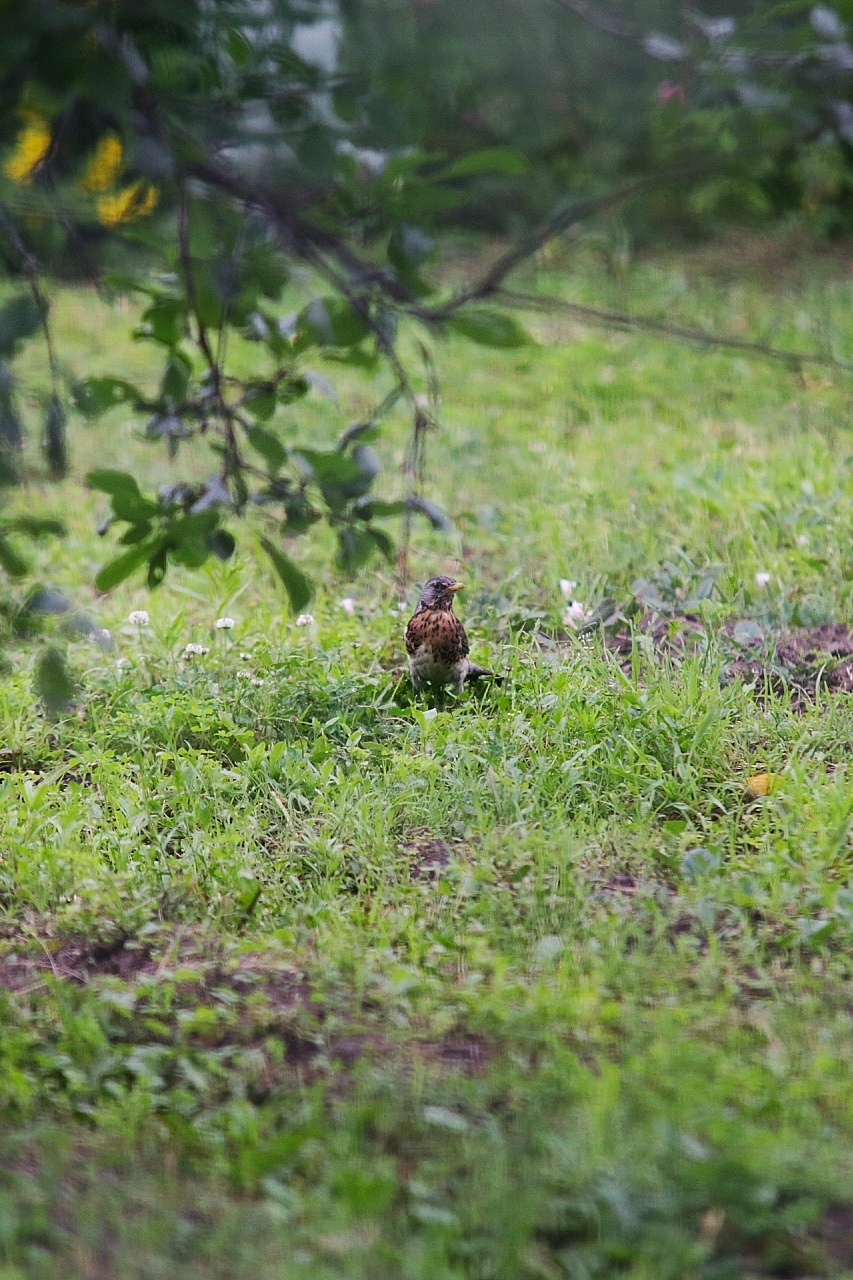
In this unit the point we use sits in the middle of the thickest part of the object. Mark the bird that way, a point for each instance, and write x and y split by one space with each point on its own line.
436 641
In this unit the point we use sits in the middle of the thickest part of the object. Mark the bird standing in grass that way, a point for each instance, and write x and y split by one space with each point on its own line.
436 641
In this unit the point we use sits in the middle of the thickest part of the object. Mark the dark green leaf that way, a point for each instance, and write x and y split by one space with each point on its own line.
434 514
127 501
176 379
377 509
10 561
329 322
259 399
355 547
502 160
122 567
35 526
94 396
164 321
327 467
490 328
221 543
383 542
20 318
268 446
296 584
53 684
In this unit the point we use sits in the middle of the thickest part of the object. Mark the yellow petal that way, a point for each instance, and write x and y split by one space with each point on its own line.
761 784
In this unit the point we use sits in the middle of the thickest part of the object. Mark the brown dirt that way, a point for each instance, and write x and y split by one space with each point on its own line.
270 998
804 660
429 856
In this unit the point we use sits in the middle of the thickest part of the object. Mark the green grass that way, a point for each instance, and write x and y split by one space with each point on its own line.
244 1033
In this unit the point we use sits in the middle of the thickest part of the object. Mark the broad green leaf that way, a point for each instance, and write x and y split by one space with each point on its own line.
10 560
20 318
53 684
501 160
94 396
259 399
434 514
268 446
164 321
355 547
124 565
127 501
490 328
221 543
329 322
296 584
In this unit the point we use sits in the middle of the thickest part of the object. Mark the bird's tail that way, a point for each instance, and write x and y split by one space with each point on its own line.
478 673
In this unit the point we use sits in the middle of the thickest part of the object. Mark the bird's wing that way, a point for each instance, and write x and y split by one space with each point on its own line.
413 636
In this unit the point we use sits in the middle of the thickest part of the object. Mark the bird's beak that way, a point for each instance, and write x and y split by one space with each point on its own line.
457 586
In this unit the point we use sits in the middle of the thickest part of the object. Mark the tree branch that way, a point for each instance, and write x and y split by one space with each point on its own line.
685 333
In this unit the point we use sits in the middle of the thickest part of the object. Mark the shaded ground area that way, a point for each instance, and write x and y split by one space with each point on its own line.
804 660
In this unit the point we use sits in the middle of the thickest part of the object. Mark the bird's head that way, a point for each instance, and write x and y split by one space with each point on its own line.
438 593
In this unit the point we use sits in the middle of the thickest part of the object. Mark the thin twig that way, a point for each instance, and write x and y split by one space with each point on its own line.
685 333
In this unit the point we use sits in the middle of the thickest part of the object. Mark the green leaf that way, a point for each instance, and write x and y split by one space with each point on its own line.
378 509
124 565
502 160
176 379
296 584
127 501
53 684
383 542
329 322
259 399
490 328
268 446
327 466
94 396
355 547
221 543
164 321
35 526
20 318
434 514
13 563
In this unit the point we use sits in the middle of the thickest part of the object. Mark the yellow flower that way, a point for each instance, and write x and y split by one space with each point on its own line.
104 167
135 201
31 148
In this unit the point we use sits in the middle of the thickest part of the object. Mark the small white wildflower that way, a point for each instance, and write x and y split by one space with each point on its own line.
348 604
305 620
802 540
101 636
122 664
762 579
193 650
567 588
139 618
247 657
576 614
247 675
224 624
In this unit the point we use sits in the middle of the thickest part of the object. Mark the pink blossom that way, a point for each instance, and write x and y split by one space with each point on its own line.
668 89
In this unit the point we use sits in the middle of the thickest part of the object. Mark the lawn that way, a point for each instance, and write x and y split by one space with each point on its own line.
301 978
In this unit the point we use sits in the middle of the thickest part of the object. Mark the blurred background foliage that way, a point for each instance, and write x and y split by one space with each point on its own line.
285 172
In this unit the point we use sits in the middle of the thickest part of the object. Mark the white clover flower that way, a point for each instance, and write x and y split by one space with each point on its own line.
122 664
802 540
193 650
762 579
305 620
247 675
224 624
139 618
101 636
348 604
247 657
567 588
576 614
